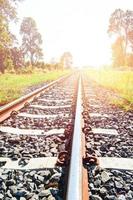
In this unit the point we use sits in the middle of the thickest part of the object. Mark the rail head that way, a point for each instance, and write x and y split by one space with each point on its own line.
76 188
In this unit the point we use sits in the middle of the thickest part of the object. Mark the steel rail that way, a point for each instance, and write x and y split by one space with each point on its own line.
77 188
17 104
84 171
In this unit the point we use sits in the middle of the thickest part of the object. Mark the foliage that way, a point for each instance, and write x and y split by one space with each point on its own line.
66 60
118 53
31 40
130 36
17 58
5 42
129 60
7 14
8 63
8 9
119 81
121 24
25 70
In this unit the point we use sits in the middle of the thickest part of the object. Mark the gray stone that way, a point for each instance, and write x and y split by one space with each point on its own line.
121 197
7 198
129 195
19 194
54 191
44 173
3 186
103 191
53 150
55 177
4 176
51 198
91 185
22 198
29 196
111 197
40 178
32 173
118 185
13 198
105 177
9 193
13 189
1 143
97 183
1 196
32 185
10 182
111 191
44 193
95 197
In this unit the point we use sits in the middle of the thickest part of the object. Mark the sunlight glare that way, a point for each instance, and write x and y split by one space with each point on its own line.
79 27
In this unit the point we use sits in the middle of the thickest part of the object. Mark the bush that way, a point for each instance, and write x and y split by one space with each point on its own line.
25 70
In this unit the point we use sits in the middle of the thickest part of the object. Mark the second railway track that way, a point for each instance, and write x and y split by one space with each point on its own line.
63 141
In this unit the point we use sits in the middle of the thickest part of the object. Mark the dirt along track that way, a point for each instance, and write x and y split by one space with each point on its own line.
66 142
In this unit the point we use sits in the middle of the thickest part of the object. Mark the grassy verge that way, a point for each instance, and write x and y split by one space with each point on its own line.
118 81
12 85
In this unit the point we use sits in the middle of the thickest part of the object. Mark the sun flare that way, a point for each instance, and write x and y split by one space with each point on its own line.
79 27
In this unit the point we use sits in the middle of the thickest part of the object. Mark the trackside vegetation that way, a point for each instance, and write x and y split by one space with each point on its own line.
13 85
121 82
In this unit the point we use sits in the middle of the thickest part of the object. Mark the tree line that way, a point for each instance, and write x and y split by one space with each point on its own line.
29 53
121 28
15 57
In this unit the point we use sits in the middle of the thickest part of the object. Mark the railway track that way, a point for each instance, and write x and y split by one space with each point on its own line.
63 141
38 135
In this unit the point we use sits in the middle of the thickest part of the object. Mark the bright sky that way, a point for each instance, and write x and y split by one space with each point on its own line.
78 26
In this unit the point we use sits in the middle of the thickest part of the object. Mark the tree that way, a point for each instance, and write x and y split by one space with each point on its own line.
31 40
7 14
17 57
118 53
120 24
66 60
8 9
130 60
130 37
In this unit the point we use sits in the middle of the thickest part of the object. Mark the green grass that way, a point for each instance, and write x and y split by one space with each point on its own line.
13 85
119 81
